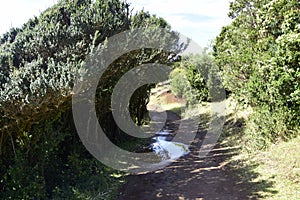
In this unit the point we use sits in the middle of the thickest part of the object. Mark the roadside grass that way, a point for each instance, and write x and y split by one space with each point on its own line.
275 170
278 165
281 163
116 180
96 181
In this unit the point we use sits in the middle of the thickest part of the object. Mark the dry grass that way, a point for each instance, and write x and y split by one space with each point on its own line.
278 165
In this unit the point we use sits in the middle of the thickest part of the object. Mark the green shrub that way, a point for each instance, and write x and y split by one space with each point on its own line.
259 57
41 155
195 78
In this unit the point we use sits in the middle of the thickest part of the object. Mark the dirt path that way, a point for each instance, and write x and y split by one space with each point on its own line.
190 177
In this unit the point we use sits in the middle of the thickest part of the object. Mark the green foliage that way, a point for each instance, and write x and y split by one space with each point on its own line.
199 73
259 57
41 155
179 82
193 76
50 162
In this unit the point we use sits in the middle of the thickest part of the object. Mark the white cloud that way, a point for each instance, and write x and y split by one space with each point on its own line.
205 7
200 20
209 16
14 13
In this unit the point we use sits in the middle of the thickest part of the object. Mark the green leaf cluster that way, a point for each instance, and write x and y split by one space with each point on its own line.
258 54
41 155
195 78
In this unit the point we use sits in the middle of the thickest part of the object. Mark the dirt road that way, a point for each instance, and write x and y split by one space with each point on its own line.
190 177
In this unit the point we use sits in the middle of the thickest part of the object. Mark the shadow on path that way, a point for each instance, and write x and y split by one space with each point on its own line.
191 177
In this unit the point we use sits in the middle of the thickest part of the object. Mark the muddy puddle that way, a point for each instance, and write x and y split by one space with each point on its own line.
166 149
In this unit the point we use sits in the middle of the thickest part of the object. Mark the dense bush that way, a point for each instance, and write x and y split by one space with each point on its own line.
259 57
181 86
193 76
41 155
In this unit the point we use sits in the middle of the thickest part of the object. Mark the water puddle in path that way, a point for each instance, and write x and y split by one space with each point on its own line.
168 150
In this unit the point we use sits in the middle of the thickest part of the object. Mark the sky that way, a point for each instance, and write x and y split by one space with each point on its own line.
200 20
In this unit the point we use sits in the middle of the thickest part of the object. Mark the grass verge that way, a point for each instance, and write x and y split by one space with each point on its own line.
275 171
